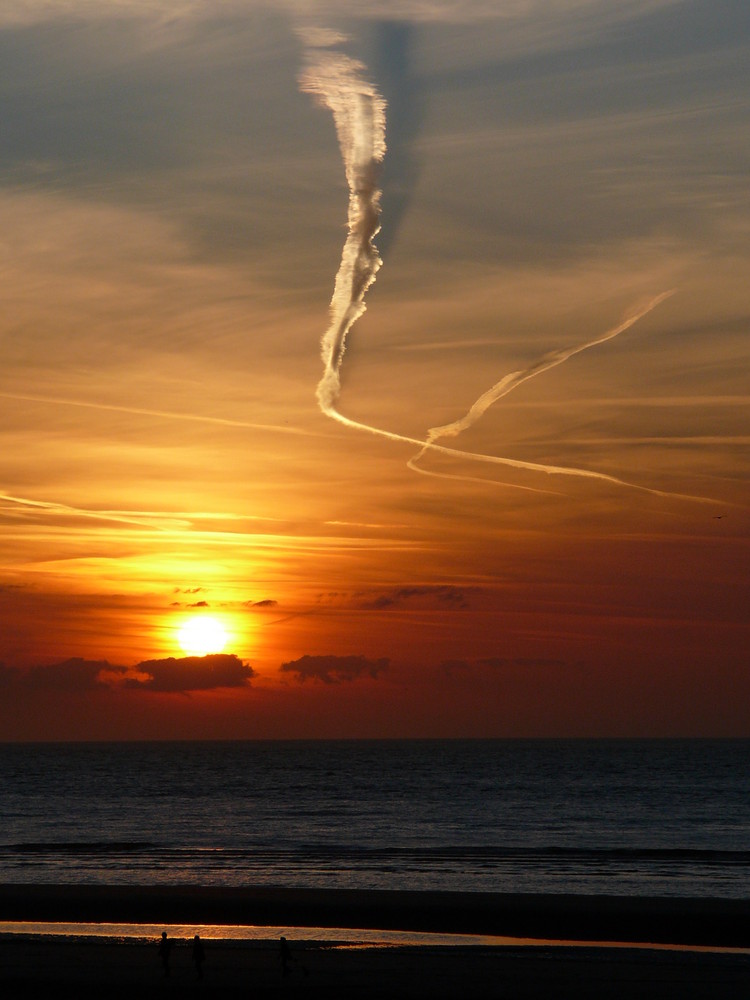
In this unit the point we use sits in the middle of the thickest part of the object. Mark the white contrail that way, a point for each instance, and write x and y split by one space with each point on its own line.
359 116
166 414
513 463
511 381
139 519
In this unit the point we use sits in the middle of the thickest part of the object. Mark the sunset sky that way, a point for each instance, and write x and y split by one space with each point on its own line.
190 428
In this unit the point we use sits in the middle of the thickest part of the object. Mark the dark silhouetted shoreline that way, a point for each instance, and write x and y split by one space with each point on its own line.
84 968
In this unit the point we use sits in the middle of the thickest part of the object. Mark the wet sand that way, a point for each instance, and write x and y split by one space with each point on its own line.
63 968
715 922
60 968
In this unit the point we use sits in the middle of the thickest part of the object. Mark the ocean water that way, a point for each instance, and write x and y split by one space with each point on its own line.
661 817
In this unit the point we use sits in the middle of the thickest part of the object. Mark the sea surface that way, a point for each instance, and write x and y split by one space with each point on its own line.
632 817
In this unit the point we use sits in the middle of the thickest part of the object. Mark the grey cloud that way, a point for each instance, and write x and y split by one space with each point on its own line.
455 666
72 675
331 597
267 603
392 67
191 673
441 595
92 99
334 669
76 675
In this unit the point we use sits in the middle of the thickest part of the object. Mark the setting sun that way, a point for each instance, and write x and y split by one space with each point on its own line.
202 635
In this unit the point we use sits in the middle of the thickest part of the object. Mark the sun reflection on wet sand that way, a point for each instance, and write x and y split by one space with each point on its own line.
330 937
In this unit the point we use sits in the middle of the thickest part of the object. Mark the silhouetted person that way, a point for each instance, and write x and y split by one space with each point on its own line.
285 955
164 948
199 956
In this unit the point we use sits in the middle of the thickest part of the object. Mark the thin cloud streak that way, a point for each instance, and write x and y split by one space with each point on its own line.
641 401
165 414
693 439
139 520
553 470
511 381
23 12
446 345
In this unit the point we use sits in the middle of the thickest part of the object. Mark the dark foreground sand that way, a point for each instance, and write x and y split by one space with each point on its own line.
54 969
46 967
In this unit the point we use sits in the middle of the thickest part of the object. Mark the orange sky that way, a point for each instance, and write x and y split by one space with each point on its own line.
564 218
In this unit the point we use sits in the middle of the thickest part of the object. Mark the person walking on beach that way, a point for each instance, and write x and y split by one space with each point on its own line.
164 948
199 956
285 956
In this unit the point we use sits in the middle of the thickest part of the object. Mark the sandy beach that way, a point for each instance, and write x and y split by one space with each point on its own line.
55 967
665 920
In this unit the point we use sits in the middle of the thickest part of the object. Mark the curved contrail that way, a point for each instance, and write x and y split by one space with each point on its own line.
359 114
511 381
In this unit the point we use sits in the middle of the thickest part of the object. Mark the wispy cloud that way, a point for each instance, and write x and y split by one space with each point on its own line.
438 596
164 414
333 669
74 676
438 11
135 518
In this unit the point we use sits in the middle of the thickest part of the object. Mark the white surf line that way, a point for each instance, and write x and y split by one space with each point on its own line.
359 117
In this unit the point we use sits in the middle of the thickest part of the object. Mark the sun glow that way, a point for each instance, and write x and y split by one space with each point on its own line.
202 635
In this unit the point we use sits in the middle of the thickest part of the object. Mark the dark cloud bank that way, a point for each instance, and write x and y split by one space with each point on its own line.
176 675
192 673
333 669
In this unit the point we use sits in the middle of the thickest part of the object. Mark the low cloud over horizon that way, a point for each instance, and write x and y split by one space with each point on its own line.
334 669
438 596
170 675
